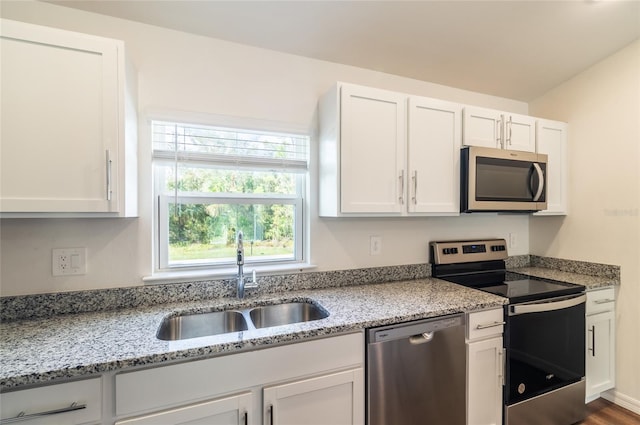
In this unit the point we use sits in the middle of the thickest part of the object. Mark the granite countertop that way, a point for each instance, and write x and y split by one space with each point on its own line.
588 281
41 350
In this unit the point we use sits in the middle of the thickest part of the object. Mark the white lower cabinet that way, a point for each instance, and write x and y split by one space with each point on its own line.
335 399
600 343
231 410
485 367
73 403
314 382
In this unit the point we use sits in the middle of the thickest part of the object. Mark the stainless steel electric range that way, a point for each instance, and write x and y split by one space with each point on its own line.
544 333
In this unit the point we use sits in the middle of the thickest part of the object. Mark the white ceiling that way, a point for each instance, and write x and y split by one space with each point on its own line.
513 49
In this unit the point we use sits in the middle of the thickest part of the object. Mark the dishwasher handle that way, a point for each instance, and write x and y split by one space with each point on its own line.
414 331
421 339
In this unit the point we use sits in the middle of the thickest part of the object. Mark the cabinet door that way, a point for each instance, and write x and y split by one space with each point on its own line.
336 399
485 362
433 156
551 139
482 127
227 411
600 353
372 150
520 132
59 104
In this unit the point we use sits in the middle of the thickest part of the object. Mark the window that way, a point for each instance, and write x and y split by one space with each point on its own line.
211 182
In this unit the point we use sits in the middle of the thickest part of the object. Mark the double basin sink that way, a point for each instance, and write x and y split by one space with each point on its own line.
193 325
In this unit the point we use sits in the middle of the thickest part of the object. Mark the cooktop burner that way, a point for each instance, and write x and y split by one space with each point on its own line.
481 265
531 289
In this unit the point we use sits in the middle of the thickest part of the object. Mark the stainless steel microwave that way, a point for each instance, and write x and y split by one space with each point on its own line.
499 180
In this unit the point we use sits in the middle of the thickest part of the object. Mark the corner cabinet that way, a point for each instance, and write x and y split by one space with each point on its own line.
485 367
551 139
68 137
600 343
381 151
496 129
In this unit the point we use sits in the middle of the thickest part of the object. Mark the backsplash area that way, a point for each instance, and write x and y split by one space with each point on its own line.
45 305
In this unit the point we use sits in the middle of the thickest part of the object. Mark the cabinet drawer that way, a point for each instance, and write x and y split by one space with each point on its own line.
484 324
55 399
601 300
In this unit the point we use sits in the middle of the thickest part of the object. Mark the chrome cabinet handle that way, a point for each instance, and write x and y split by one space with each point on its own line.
271 414
604 301
593 341
490 325
509 132
401 197
109 162
501 365
499 132
246 418
22 417
415 187
536 166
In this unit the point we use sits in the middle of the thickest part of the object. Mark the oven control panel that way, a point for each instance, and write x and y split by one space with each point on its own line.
450 252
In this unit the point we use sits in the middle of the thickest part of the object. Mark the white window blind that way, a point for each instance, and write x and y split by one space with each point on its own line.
186 143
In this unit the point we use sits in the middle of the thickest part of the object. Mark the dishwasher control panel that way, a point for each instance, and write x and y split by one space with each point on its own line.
417 328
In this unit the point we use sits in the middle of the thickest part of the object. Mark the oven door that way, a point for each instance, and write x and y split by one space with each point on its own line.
545 342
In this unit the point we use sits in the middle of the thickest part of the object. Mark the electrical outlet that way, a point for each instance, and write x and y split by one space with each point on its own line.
68 261
375 245
513 240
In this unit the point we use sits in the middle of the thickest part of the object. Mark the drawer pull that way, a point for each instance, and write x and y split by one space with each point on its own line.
22 417
604 301
489 325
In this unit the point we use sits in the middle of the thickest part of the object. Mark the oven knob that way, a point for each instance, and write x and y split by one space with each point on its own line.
454 250
521 388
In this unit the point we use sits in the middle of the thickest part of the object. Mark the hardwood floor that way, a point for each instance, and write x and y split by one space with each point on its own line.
603 412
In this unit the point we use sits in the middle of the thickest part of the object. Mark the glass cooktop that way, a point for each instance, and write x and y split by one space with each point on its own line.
531 289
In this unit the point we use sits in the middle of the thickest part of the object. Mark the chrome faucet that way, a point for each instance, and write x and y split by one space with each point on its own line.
240 284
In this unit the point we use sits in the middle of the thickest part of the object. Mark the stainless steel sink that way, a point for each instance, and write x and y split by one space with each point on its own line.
193 325
201 324
285 314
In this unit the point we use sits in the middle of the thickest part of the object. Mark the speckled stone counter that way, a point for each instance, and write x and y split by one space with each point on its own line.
40 350
590 275
590 282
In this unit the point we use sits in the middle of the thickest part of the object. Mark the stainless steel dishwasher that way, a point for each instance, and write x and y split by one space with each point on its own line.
416 373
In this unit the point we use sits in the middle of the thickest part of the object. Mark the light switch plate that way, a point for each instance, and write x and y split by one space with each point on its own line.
68 261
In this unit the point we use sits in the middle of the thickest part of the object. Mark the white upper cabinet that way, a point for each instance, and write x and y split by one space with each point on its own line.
385 153
496 129
372 150
433 156
551 139
482 127
65 147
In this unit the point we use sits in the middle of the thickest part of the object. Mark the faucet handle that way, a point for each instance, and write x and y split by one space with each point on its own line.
254 281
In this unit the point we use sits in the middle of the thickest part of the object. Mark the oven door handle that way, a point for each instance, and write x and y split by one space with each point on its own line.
517 309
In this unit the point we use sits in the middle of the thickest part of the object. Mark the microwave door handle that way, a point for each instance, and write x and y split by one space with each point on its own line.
538 194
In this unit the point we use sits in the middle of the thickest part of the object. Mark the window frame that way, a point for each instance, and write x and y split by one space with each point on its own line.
162 198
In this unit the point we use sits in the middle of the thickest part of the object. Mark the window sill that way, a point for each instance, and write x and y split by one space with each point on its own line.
179 276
